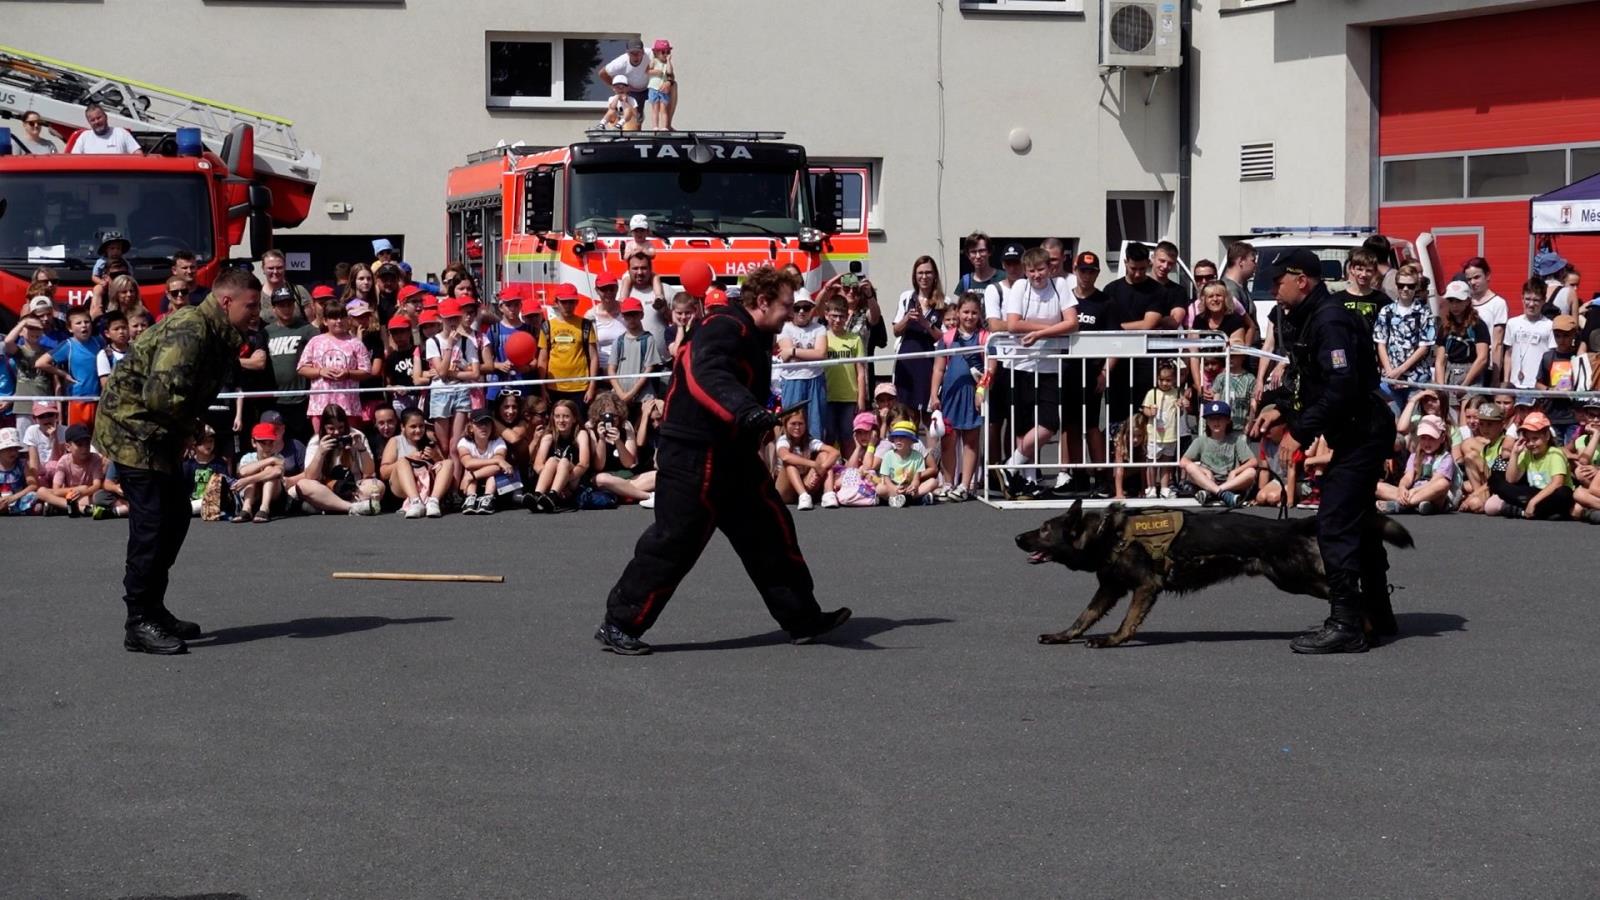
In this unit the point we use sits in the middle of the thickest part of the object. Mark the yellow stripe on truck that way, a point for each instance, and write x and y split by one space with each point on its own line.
147 86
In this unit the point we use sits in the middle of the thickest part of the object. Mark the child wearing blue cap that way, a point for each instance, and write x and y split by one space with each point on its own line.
1219 463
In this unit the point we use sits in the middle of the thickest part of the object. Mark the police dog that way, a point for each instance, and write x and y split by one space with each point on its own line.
1205 549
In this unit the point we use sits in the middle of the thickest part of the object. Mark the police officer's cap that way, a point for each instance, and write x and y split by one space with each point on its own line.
1296 261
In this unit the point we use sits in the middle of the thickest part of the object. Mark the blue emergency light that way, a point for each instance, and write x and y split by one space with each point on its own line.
5 142
189 142
1314 229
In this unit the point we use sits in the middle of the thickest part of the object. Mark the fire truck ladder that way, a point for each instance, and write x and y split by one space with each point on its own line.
58 91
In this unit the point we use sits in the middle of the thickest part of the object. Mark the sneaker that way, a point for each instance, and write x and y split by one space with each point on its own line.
364 508
430 508
1389 507
1202 497
469 505
825 623
101 513
959 494
545 502
1031 490
413 508
1511 511
1427 508
614 640
486 505
897 501
650 501
926 500
805 502
1230 499
1592 517
1150 493
1168 493
1063 480
830 500
150 637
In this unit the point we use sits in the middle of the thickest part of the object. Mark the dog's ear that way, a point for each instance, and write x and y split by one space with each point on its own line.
1112 521
1075 512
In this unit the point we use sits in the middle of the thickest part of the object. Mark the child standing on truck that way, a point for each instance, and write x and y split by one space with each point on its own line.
663 86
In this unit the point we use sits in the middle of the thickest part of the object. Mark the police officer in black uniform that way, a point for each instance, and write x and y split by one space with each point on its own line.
710 475
1332 385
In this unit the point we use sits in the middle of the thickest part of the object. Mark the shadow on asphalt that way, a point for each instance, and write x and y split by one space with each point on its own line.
322 626
852 635
1412 625
188 897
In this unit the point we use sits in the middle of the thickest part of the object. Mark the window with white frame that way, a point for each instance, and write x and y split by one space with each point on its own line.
548 71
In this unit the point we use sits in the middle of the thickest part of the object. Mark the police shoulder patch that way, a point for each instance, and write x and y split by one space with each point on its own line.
1337 359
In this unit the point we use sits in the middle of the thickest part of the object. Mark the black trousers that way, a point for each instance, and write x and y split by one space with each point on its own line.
158 521
1555 508
700 489
1353 555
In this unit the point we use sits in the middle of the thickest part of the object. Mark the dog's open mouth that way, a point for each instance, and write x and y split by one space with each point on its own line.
1037 557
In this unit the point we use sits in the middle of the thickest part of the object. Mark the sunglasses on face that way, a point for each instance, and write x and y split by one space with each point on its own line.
512 392
1405 286
181 292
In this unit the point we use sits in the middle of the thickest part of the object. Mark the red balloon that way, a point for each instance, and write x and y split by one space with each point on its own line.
696 277
521 348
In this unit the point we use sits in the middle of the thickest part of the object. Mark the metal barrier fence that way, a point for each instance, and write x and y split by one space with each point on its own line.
1075 407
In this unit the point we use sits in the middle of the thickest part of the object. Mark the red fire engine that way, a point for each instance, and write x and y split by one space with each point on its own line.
207 170
541 216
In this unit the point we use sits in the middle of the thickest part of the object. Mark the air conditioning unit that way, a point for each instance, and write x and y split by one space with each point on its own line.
1140 34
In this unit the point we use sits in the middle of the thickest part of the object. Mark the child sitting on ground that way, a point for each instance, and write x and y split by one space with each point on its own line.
1583 456
1218 463
78 475
209 474
1161 407
259 487
852 484
483 459
561 460
1538 483
1274 480
18 489
1429 482
804 461
906 473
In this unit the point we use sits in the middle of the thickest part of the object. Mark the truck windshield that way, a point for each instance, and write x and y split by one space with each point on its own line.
60 219
694 200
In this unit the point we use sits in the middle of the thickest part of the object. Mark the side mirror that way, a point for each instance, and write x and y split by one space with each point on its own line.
260 233
239 152
539 201
829 196
260 198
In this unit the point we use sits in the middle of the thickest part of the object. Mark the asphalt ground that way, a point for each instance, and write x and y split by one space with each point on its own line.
388 740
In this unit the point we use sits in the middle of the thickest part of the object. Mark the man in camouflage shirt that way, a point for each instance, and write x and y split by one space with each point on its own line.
149 409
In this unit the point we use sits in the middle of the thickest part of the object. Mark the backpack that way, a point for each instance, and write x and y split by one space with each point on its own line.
644 348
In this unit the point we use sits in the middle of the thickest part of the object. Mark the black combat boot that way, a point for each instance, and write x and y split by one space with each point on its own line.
144 634
179 628
1340 633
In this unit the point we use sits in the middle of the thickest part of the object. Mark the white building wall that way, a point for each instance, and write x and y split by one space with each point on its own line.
393 94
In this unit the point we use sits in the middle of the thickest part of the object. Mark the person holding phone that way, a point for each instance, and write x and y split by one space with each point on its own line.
340 472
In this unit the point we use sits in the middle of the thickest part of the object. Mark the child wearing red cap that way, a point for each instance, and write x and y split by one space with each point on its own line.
261 473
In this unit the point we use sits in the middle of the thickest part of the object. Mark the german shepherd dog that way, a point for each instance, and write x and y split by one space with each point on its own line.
1208 548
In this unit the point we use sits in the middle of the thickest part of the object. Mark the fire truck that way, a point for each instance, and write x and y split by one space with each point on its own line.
209 172
541 216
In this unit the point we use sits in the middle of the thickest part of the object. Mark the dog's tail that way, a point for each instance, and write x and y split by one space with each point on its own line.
1394 533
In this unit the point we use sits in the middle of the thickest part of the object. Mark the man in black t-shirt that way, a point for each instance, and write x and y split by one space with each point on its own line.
286 335
1137 303
1083 384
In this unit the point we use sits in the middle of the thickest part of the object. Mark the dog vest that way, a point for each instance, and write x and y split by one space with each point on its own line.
1155 530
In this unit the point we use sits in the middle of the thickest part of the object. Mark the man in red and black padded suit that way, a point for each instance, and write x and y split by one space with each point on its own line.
710 475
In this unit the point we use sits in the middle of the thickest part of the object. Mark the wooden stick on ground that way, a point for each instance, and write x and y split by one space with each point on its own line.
418 576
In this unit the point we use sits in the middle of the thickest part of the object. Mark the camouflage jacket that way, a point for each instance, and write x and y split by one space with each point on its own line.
157 393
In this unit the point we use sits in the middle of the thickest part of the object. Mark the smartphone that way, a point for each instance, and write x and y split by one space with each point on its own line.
344 440
849 279
608 419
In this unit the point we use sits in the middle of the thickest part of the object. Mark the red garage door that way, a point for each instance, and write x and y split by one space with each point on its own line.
1477 115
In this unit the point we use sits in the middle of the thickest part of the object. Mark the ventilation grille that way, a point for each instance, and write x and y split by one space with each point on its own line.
1132 27
1258 162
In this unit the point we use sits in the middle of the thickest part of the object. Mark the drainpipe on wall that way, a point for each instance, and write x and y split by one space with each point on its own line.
1185 131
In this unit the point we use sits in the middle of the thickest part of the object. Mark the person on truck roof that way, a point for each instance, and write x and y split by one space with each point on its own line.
103 137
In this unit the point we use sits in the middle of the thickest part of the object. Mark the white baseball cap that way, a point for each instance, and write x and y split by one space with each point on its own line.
639 220
40 303
620 79
9 439
1457 290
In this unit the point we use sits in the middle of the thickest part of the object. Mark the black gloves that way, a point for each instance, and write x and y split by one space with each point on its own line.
757 422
